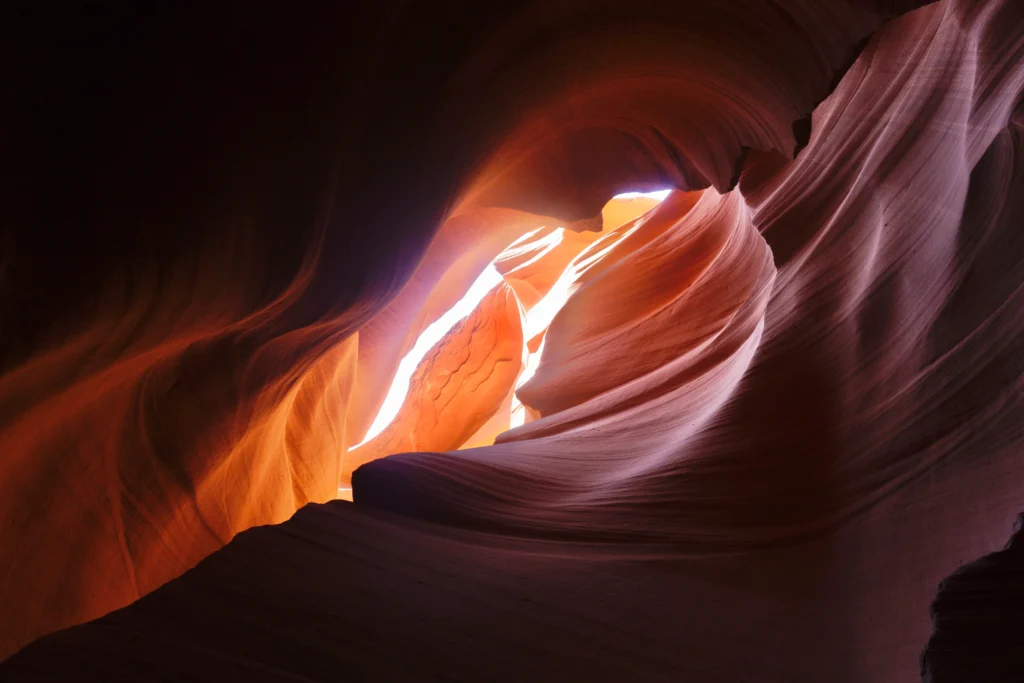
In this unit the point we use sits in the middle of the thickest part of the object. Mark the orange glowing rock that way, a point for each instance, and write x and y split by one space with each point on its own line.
623 209
533 263
458 386
530 266
463 246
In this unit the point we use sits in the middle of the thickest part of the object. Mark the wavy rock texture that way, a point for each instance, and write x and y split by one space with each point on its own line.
626 327
771 416
458 386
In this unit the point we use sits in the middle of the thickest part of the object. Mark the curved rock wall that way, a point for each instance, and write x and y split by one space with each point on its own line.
771 417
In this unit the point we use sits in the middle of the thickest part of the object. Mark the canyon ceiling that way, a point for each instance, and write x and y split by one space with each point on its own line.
740 432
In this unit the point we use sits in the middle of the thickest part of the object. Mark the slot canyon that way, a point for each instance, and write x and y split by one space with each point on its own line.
574 340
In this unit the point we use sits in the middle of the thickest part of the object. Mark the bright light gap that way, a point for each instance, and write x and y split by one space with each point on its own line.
536 321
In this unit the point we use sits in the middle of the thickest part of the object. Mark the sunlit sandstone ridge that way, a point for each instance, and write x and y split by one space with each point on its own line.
760 425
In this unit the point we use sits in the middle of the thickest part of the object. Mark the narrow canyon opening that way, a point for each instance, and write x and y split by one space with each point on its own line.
456 388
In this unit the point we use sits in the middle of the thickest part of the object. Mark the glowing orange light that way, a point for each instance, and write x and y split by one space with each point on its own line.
536 318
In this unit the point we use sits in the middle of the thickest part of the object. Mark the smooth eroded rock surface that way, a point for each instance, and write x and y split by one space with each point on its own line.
770 415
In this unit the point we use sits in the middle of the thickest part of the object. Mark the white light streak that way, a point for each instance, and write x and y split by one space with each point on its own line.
658 194
488 280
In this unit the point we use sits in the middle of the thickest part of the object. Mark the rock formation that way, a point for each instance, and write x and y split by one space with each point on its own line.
977 616
758 422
